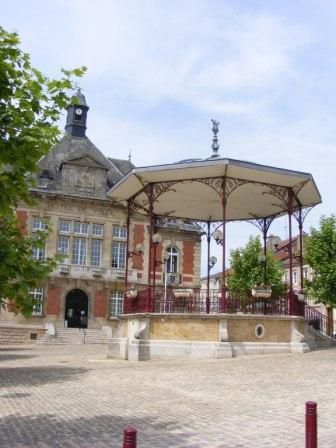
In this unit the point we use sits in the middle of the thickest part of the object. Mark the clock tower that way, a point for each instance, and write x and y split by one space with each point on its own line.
76 117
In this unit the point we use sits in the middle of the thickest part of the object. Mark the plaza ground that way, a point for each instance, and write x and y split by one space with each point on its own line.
72 396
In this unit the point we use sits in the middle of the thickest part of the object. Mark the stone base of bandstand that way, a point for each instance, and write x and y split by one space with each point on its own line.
144 337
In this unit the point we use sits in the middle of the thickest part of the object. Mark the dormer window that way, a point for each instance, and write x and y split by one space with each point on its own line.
45 175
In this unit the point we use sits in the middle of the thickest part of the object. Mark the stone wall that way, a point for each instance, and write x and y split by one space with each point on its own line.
20 334
151 336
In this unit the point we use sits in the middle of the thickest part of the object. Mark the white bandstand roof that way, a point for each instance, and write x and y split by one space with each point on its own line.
191 199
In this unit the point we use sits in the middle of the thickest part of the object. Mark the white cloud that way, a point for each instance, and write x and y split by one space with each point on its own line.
187 51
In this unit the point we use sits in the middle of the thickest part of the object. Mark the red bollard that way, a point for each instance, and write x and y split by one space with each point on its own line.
130 435
311 424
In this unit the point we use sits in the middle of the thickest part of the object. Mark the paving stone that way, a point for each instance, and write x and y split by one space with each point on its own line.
72 396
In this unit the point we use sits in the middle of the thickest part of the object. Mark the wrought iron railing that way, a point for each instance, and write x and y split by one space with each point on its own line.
316 319
194 301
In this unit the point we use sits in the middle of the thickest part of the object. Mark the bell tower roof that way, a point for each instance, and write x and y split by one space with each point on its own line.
77 116
80 98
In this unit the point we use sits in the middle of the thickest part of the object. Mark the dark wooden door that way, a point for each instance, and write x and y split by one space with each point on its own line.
76 309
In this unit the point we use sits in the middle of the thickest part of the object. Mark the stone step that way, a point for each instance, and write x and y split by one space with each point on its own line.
77 336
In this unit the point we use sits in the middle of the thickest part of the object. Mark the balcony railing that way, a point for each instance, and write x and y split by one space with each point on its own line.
95 272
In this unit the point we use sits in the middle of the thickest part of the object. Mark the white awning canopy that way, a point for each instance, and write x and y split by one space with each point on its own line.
194 189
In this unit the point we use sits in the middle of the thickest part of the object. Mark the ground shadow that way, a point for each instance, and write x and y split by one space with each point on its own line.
13 356
15 395
35 376
13 349
48 430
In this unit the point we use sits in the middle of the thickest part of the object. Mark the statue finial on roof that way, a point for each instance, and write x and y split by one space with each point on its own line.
130 155
215 144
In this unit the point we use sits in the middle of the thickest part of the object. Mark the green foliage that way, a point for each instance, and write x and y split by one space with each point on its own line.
247 271
30 107
19 272
320 254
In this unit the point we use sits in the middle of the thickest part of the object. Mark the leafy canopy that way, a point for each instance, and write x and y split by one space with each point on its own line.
320 254
247 270
30 107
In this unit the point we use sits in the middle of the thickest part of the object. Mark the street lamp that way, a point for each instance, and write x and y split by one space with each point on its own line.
139 250
157 238
218 236
212 262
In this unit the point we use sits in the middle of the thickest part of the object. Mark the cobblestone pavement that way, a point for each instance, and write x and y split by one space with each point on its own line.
72 396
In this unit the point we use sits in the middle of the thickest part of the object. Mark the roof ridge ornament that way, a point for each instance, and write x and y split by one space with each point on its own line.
215 144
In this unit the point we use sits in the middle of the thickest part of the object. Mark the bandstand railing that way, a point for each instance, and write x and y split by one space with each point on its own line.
194 301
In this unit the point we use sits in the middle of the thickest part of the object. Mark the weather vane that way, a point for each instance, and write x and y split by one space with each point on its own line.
215 144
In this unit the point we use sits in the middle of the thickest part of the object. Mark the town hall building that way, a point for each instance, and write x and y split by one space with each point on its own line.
86 289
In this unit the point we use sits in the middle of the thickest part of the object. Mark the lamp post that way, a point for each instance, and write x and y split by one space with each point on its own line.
219 237
211 263
156 240
262 259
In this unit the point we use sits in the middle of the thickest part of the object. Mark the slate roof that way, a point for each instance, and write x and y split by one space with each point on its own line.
123 166
70 148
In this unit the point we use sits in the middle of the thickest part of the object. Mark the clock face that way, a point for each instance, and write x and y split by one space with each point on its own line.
79 111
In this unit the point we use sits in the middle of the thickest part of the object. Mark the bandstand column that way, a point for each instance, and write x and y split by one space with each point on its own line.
265 228
150 246
292 308
300 222
223 304
208 267
128 222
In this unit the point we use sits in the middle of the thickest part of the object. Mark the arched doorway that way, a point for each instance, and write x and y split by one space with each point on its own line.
76 309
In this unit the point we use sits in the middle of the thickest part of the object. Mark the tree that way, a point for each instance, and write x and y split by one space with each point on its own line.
30 107
247 271
320 254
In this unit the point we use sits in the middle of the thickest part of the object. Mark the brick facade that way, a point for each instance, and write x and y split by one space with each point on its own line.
22 217
100 304
53 304
138 237
188 257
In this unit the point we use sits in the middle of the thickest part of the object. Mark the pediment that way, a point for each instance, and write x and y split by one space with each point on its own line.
84 161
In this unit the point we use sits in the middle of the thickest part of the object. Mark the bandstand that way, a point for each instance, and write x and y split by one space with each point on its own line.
185 321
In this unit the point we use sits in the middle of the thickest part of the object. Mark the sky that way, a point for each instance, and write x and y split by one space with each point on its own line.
159 70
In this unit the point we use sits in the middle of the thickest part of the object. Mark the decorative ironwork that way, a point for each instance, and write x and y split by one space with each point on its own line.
223 186
263 224
300 213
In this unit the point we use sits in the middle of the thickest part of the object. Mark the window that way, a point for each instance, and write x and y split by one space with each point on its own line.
97 229
116 303
285 277
38 253
305 272
64 226
119 232
95 252
79 251
172 262
294 277
118 254
63 244
81 227
37 296
38 224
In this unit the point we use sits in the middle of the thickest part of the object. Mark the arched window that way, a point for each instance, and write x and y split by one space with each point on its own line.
45 175
172 261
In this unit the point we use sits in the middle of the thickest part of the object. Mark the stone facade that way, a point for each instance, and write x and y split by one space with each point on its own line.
151 336
90 231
